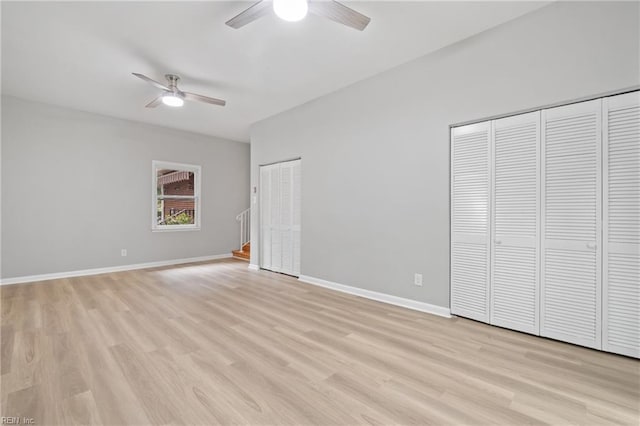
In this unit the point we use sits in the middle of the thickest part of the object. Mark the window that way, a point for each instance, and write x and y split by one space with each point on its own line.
175 196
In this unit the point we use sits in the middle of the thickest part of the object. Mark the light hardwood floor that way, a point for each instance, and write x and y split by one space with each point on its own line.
215 343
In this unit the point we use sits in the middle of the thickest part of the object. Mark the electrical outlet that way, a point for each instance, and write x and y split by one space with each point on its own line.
417 279
123 252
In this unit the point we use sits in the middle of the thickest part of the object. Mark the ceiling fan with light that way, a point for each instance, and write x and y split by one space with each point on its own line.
172 96
296 10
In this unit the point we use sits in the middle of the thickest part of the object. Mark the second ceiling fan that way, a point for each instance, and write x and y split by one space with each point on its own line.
295 10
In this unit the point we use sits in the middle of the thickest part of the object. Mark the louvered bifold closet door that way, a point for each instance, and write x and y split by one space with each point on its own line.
290 216
280 197
515 227
286 206
470 161
270 235
621 257
265 217
276 233
571 224
296 214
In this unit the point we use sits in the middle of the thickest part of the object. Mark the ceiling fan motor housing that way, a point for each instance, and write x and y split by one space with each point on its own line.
173 96
173 81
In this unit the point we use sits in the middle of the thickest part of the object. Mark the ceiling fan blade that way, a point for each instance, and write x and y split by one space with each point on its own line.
154 103
256 11
193 97
151 81
339 13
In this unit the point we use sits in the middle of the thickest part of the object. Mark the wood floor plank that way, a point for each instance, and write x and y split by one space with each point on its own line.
81 409
7 339
27 403
149 388
26 370
114 397
215 343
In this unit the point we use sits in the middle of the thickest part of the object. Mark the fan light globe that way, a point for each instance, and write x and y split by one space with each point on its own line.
290 10
172 100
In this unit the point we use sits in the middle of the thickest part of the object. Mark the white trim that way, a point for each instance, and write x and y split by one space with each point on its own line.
581 99
253 267
380 297
109 269
175 228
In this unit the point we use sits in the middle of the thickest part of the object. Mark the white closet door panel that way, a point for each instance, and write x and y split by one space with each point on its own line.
469 278
570 298
621 320
470 158
296 248
287 249
470 154
280 196
621 279
286 217
571 224
265 217
515 226
514 292
276 233
296 215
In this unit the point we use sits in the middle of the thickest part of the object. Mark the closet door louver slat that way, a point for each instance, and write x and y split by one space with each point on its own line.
571 224
621 260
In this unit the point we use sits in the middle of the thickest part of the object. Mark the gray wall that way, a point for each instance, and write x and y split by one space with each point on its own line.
375 156
76 189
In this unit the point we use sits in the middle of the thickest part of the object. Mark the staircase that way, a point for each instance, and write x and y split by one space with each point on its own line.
245 235
244 253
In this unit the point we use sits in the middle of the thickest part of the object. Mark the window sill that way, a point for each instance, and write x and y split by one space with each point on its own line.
176 229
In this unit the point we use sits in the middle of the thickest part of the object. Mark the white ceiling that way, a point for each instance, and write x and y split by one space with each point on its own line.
81 54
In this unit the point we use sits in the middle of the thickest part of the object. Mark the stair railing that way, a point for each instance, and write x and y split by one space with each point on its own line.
245 227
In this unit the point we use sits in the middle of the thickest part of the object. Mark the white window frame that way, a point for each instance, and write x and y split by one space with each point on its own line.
197 177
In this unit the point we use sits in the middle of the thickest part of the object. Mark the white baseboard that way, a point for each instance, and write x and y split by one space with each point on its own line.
380 297
109 269
254 267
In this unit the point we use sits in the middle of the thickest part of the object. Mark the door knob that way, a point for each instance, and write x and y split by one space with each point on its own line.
592 245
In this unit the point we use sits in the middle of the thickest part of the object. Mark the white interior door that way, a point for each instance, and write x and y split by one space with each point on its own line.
470 162
286 216
571 224
296 213
280 217
515 223
274 225
621 257
265 217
